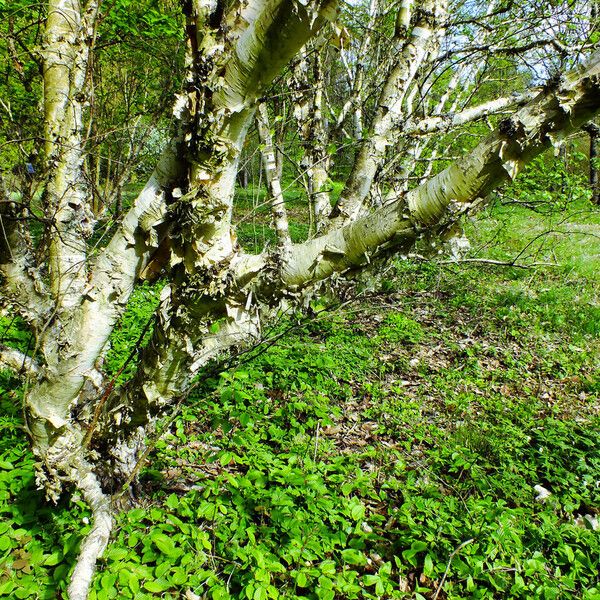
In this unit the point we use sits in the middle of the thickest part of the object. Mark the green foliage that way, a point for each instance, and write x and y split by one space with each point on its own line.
21 91
134 323
367 454
14 333
548 184
397 328
38 542
150 19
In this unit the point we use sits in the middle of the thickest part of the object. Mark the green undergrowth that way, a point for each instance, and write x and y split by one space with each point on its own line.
132 332
252 214
389 449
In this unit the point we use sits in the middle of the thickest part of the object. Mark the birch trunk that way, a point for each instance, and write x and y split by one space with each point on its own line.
280 220
594 133
390 106
69 34
309 107
202 296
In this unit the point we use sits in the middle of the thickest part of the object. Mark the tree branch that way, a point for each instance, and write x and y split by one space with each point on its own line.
554 113
512 50
17 361
450 120
270 33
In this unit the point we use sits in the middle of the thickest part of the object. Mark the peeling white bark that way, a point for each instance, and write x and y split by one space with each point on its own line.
469 115
84 336
389 111
21 285
17 361
278 209
96 541
201 299
66 54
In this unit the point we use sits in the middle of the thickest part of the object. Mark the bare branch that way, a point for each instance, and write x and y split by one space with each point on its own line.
513 50
450 120
498 263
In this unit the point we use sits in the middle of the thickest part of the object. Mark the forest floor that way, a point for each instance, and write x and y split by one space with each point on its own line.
434 436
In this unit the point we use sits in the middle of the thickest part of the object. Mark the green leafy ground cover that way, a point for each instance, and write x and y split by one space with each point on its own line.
386 449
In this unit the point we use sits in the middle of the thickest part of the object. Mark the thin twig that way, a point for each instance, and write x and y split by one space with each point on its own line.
454 553
499 263
111 386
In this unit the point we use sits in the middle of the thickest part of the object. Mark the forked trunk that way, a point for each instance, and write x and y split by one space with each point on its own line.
180 224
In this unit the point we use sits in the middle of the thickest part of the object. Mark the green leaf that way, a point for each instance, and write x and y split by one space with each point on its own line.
53 559
172 501
327 567
260 593
569 553
179 577
133 583
220 593
108 580
165 544
117 554
225 458
6 588
161 569
158 585
357 512
353 557
428 566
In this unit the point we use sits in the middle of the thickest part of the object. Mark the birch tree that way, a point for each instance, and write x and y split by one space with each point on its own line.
89 435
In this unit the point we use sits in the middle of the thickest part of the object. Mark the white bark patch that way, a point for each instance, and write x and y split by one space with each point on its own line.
542 493
97 539
511 165
459 246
